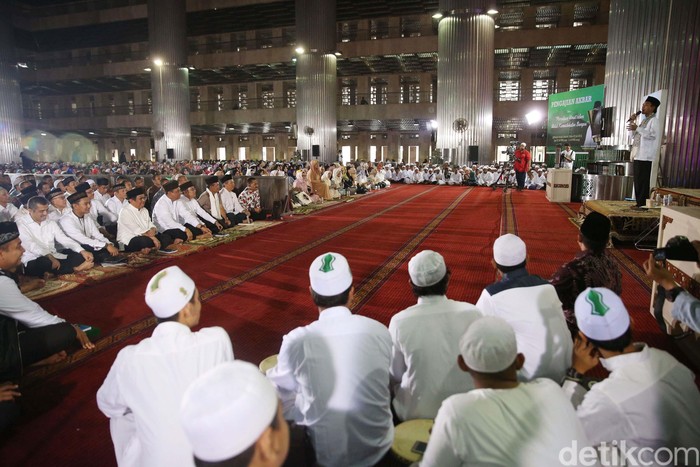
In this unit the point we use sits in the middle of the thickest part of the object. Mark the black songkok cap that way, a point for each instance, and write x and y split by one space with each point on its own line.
77 196
102 181
24 199
118 186
134 192
596 227
185 186
85 186
211 180
226 178
53 193
67 180
170 185
8 232
29 190
653 101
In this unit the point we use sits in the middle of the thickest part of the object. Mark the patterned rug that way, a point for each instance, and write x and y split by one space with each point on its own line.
627 224
52 287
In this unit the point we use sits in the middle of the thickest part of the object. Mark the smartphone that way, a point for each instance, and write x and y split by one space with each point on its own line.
419 447
84 327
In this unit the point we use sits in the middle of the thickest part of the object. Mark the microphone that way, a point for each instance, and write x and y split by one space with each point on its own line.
635 115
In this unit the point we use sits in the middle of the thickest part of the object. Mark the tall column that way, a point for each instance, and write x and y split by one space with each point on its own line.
465 78
653 45
170 82
10 96
317 77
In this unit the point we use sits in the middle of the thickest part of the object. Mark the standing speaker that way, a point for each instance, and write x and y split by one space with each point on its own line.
473 153
171 153
316 151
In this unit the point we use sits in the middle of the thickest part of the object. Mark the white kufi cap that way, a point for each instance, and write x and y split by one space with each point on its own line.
330 274
226 409
169 291
489 345
509 250
427 268
600 314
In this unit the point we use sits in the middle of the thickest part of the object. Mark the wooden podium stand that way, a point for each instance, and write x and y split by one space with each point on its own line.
559 185
676 221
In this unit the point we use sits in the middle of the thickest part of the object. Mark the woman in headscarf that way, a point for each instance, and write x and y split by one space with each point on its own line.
317 186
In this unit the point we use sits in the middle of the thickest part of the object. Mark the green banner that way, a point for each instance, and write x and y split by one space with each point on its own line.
575 117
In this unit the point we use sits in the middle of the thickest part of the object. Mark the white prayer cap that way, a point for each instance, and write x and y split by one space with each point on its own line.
427 268
330 274
91 182
169 291
226 409
489 345
600 314
509 250
56 183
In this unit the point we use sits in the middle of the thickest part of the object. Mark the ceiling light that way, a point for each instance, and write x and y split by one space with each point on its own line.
43 134
433 124
437 15
22 65
91 132
492 12
338 54
146 69
533 117
158 62
191 68
300 50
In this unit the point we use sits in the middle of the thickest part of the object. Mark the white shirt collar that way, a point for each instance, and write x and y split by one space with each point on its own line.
334 312
619 361
431 299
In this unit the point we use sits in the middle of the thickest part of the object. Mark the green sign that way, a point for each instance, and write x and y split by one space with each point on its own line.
575 117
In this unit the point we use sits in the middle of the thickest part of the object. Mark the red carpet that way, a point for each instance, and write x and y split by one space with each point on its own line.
257 289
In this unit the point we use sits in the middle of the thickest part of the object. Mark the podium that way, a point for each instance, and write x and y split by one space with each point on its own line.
559 185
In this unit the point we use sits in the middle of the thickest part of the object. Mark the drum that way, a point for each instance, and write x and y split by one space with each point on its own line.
268 363
410 440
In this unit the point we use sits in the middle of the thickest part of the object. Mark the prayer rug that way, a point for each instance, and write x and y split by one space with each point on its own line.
627 224
51 288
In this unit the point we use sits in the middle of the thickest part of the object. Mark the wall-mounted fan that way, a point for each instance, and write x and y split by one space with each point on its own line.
460 125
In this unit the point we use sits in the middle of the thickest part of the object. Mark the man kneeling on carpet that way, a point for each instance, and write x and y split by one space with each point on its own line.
80 226
333 375
143 390
28 334
39 238
233 417
135 230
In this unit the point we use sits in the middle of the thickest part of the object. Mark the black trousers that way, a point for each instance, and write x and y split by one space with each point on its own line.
520 178
258 216
37 344
642 179
99 255
176 233
142 241
214 229
38 267
235 218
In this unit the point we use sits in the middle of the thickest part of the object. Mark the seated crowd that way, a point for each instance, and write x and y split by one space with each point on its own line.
506 380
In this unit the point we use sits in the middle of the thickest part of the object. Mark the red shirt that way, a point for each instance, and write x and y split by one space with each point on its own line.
522 160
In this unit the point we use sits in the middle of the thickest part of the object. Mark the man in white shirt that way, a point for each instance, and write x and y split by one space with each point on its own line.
102 190
136 232
39 336
233 416
567 157
165 213
333 375
648 402
502 422
58 206
456 177
210 201
200 222
81 227
645 148
117 202
8 211
531 306
142 393
234 211
39 236
424 369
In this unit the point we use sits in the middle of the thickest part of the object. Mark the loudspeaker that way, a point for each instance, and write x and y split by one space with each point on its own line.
473 153
171 153
316 151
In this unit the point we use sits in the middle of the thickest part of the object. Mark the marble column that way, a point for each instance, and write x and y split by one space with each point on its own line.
316 77
465 78
654 45
10 95
169 77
